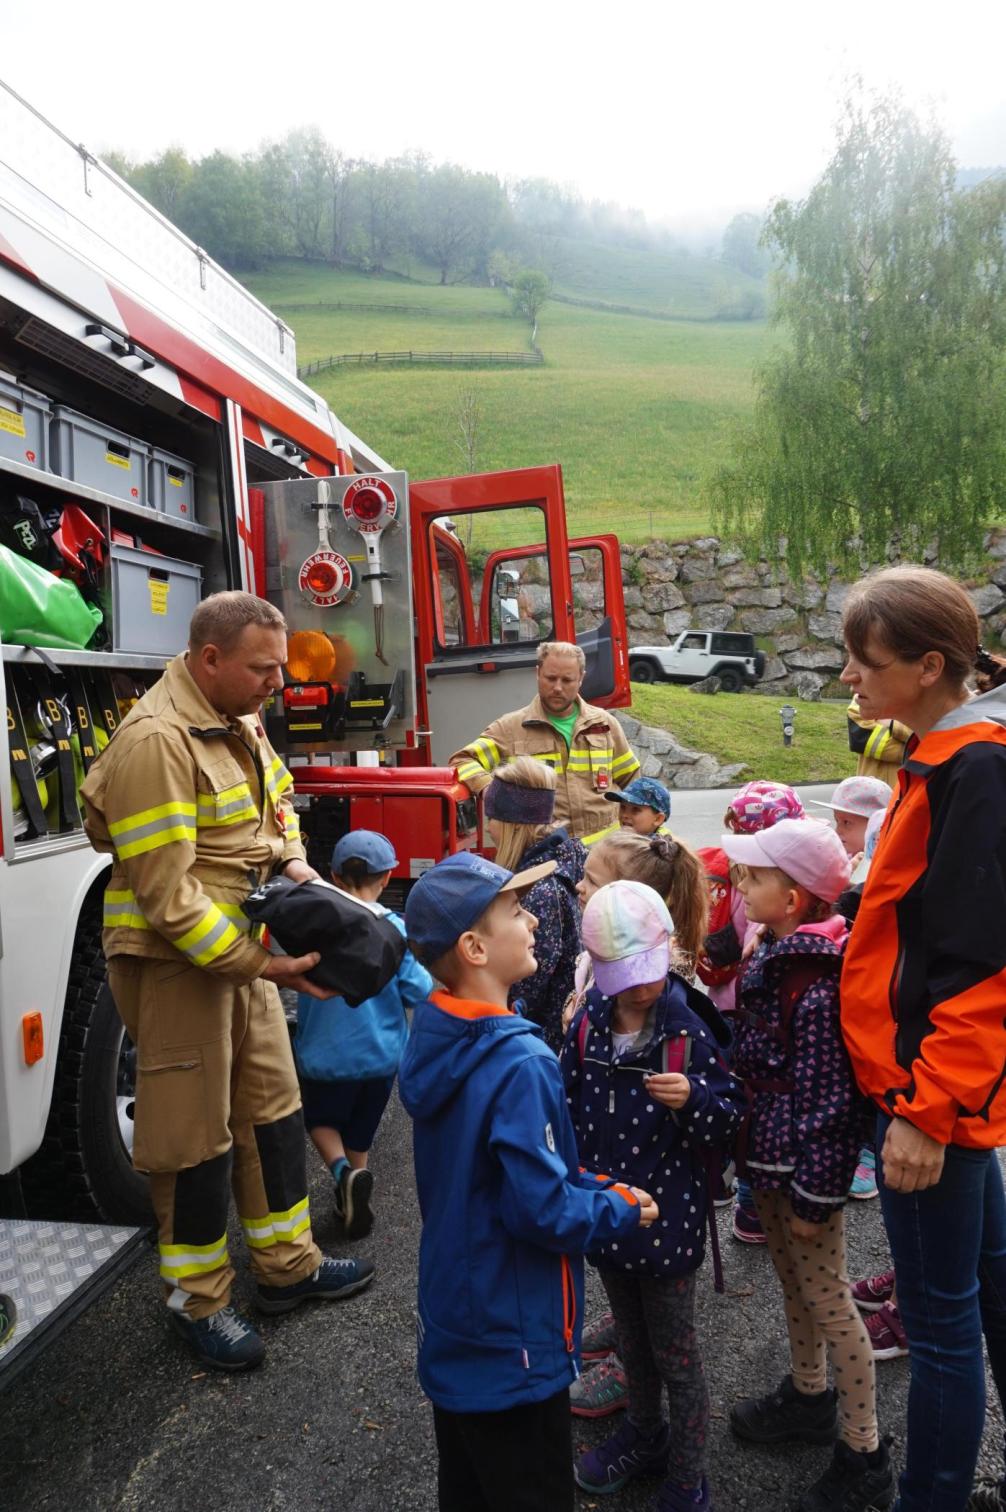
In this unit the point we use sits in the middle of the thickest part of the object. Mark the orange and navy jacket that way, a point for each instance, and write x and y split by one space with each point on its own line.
507 1212
924 978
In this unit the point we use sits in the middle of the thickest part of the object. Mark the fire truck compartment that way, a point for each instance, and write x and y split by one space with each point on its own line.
153 599
88 452
24 424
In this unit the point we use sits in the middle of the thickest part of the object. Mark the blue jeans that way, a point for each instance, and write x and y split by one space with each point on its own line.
948 1244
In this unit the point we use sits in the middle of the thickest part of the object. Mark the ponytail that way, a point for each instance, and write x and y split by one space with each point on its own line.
673 870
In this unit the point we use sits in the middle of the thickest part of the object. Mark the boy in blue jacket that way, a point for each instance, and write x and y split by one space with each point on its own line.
347 1057
507 1214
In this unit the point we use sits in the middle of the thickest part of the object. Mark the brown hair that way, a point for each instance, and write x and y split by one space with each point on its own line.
673 870
912 610
221 619
515 839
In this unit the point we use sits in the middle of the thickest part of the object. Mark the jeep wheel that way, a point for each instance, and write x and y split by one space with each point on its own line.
642 671
731 680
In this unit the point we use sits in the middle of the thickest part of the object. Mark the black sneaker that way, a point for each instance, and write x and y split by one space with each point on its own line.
787 1414
851 1483
332 1279
8 1317
352 1202
224 1340
987 1496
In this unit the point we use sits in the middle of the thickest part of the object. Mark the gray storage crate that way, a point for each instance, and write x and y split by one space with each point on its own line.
98 456
153 599
172 485
24 424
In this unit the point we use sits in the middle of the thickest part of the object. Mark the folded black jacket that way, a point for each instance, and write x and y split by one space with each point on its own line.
360 948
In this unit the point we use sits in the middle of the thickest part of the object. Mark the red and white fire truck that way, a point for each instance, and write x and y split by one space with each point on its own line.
156 441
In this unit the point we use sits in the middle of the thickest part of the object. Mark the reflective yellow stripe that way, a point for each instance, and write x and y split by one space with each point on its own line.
468 770
599 835
209 938
232 805
181 1260
120 912
277 779
877 741
625 763
277 1228
153 827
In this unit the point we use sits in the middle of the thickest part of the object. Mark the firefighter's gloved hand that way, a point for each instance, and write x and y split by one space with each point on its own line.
288 971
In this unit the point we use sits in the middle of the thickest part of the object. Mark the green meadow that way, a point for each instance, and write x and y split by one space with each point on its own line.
637 410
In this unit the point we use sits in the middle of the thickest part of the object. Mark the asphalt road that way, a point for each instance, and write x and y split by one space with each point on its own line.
116 1414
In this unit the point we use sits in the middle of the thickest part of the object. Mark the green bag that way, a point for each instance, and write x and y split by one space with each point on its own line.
40 609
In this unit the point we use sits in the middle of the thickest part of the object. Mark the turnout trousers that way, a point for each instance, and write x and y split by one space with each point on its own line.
217 1106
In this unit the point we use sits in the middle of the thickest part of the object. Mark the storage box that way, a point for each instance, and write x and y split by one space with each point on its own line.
172 485
24 424
153 599
98 456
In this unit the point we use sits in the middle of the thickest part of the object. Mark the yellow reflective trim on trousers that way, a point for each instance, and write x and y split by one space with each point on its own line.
209 938
277 1228
181 1260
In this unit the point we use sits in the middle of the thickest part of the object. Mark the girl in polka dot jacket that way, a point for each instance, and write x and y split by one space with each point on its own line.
642 1122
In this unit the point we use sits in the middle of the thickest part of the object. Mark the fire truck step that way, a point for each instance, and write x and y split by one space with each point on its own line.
52 1271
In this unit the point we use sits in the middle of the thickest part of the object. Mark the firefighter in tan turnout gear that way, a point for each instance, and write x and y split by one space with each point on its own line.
585 745
194 806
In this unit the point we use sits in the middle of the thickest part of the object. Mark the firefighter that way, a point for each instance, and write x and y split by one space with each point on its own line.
585 745
194 807
878 743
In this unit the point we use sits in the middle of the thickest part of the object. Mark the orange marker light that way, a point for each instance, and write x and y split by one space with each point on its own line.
32 1038
310 656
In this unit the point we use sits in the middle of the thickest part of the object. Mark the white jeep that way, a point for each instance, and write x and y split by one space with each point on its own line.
695 654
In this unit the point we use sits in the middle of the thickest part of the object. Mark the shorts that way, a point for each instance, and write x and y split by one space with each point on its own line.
354 1108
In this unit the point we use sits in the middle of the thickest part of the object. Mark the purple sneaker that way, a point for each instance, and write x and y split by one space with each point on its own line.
747 1226
888 1339
675 1498
623 1457
872 1292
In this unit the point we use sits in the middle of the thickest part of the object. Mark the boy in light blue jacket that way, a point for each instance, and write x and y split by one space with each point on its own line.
347 1058
507 1212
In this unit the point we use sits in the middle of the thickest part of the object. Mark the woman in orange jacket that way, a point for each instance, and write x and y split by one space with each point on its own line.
924 1012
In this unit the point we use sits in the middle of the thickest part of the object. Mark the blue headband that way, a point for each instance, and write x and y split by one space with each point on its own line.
518 805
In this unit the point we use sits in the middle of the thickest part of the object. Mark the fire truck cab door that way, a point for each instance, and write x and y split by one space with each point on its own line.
478 632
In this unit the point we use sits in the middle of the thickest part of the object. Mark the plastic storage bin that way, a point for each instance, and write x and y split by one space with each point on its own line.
153 598
172 485
98 456
24 424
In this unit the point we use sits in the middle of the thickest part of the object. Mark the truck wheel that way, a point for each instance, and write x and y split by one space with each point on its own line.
83 1168
642 672
731 680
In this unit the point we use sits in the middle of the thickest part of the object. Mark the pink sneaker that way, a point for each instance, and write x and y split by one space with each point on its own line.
887 1336
872 1292
600 1391
600 1338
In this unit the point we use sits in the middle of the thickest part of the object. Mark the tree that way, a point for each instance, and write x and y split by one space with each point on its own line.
458 216
529 291
883 417
742 246
223 210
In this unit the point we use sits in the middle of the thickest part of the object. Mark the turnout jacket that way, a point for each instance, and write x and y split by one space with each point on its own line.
598 758
805 1127
195 811
924 981
639 1140
507 1213
879 744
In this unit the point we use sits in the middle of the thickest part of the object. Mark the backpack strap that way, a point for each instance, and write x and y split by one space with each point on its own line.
676 1054
581 1032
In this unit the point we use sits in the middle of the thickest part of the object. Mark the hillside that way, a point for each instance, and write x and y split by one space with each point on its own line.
635 409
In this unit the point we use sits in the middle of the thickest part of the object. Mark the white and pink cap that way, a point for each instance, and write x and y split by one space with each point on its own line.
808 850
858 795
627 930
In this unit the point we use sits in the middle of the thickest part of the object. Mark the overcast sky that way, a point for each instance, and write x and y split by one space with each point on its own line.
689 113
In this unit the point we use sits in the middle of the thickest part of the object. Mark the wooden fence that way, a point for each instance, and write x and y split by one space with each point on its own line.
424 359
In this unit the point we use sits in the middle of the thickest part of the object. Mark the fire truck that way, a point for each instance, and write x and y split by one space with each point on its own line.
157 445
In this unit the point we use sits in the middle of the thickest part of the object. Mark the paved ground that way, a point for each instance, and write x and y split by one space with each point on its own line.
116 1415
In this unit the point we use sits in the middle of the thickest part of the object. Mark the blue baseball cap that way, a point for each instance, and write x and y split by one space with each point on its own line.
646 793
454 894
368 846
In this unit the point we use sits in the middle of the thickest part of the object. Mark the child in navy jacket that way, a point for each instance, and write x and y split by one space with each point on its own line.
507 1213
645 1123
802 1145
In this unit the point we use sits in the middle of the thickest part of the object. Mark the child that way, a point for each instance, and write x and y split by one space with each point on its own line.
518 806
854 802
644 806
507 1213
650 1124
347 1057
802 1144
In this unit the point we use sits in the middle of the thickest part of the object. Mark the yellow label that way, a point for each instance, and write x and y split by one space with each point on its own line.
117 461
366 703
11 421
158 596
176 482
305 727
356 559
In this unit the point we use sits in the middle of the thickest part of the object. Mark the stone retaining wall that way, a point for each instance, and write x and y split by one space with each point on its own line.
706 585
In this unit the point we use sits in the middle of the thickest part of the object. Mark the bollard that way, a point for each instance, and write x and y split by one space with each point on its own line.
788 716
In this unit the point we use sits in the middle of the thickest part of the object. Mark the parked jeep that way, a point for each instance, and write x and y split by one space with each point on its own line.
726 654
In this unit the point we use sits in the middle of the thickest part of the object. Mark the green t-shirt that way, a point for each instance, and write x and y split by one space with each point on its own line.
565 725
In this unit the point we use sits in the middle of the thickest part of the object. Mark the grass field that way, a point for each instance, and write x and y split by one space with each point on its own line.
746 727
636 410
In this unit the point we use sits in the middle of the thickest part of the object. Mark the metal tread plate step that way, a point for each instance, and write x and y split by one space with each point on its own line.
52 1271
